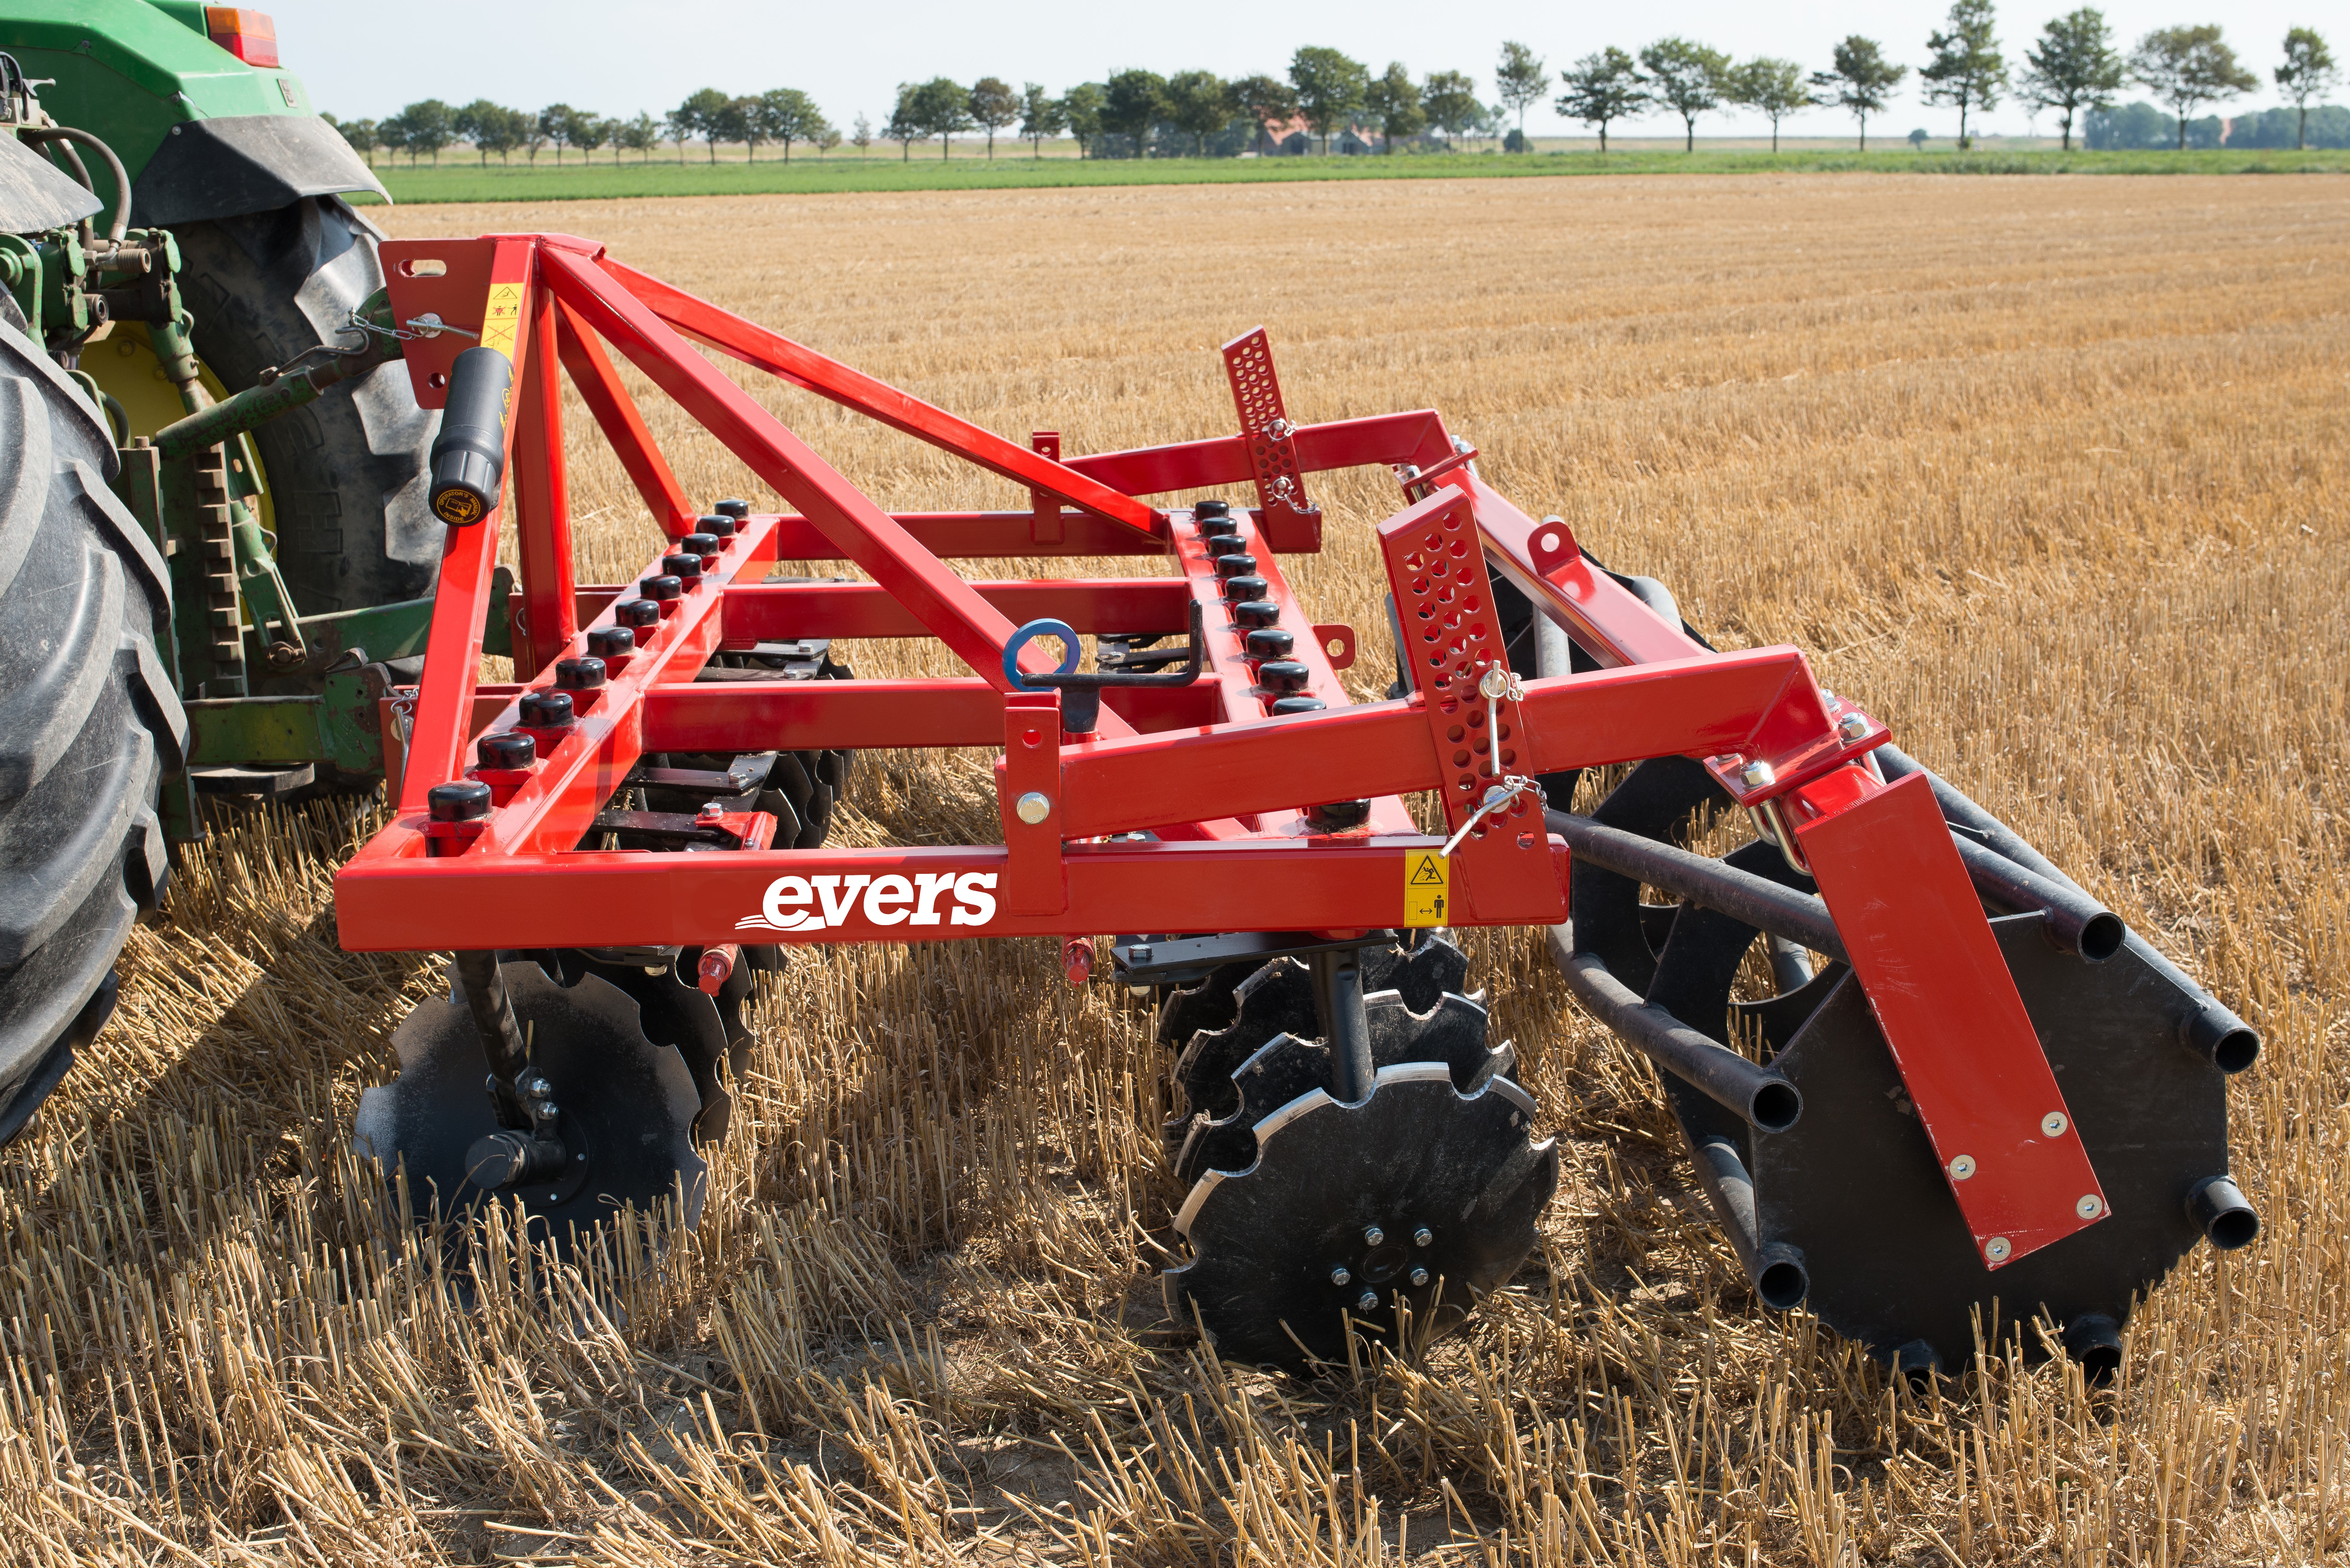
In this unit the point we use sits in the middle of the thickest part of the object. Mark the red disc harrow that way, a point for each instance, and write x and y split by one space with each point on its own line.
1970 1084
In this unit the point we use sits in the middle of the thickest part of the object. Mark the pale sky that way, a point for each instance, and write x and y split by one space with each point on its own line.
616 57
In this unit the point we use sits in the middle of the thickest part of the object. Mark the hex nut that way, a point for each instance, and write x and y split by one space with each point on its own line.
1339 1276
1373 1236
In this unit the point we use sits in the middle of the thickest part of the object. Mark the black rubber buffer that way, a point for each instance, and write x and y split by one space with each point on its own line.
468 456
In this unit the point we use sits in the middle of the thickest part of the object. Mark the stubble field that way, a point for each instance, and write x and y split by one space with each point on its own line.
2050 472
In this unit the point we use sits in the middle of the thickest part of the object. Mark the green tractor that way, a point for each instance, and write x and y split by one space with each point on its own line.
213 532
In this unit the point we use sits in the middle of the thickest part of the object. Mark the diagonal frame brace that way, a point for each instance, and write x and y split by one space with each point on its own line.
827 378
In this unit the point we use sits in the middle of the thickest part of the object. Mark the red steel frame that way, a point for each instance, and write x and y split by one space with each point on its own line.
1222 787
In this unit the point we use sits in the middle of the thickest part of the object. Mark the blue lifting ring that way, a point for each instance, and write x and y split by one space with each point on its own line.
1027 634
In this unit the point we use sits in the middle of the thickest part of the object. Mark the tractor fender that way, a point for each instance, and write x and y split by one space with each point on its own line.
221 167
34 194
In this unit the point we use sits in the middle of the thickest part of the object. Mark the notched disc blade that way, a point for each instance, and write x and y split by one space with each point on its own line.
1451 1032
1416 1154
627 1104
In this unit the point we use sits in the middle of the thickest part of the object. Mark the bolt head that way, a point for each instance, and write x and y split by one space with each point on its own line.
1962 1167
1423 1237
1852 726
1420 1276
1339 1276
1373 1236
1998 1249
2053 1124
1367 1302
1033 808
1757 774
710 811
2090 1206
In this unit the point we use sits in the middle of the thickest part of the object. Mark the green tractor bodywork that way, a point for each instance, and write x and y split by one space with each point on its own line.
201 133
277 700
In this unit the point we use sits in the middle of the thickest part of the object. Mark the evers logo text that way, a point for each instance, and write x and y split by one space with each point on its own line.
926 899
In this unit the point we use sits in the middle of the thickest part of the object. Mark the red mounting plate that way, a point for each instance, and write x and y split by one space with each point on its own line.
1941 992
1265 429
1444 601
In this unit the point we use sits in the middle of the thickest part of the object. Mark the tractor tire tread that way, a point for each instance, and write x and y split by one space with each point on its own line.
90 723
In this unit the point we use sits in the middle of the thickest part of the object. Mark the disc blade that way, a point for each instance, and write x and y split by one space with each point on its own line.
627 1103
1416 1155
1854 1185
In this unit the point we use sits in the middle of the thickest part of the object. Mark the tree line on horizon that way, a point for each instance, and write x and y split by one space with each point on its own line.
2075 69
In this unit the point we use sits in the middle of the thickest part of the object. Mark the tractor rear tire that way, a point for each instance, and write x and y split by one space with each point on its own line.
90 723
345 473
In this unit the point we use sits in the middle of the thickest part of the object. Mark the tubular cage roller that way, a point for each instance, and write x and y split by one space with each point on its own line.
1965 1092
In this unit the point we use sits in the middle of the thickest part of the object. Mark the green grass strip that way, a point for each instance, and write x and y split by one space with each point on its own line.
455 181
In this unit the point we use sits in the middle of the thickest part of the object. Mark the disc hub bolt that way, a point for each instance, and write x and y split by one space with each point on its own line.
1423 1237
1367 1302
1373 1236
1339 1276
1419 1277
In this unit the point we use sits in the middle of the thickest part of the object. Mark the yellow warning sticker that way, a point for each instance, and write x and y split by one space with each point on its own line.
501 317
1426 888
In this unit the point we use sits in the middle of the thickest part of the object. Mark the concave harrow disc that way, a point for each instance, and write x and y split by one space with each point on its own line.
1306 1213
628 1105
1852 1197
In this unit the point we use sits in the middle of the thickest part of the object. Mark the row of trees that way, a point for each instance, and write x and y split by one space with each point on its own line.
1191 109
2074 68
779 118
